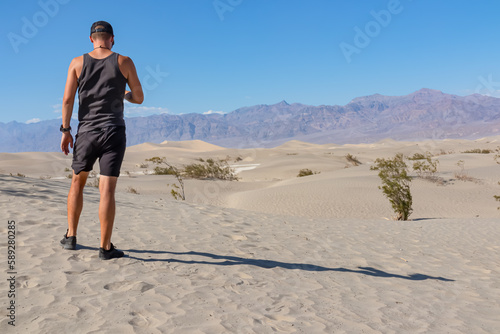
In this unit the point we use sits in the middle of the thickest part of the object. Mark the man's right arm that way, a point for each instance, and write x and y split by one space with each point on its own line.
68 101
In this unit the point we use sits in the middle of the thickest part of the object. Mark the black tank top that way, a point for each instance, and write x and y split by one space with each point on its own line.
101 88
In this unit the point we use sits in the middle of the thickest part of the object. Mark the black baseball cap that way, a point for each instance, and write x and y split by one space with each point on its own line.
103 27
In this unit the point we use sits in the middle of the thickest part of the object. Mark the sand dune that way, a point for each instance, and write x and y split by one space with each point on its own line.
269 253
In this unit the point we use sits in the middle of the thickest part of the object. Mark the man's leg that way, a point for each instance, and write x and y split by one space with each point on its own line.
107 187
75 201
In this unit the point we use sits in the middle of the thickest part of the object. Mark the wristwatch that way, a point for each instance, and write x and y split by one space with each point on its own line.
62 129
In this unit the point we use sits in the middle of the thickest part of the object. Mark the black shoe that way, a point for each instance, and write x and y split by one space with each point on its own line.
112 253
68 242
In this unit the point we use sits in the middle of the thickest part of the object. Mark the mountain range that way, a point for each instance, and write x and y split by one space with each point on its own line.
424 114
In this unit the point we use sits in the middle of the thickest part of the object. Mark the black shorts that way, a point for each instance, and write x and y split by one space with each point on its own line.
107 144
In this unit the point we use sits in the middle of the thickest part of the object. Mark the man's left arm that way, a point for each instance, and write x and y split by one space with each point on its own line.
135 95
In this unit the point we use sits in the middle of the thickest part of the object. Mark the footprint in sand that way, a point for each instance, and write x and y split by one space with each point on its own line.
129 286
236 237
78 257
139 320
25 282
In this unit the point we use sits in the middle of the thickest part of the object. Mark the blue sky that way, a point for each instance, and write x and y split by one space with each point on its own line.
216 56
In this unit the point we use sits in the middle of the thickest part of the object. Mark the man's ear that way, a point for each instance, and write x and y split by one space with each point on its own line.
91 40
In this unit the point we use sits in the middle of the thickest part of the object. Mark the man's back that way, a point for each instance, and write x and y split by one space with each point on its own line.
101 89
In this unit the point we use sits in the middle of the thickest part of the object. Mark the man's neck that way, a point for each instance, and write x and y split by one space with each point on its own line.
100 52
101 47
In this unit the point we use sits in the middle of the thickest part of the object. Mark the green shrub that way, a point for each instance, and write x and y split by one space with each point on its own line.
306 172
478 150
171 171
419 156
424 167
396 184
210 169
497 160
164 170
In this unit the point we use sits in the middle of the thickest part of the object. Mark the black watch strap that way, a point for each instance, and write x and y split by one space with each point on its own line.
62 129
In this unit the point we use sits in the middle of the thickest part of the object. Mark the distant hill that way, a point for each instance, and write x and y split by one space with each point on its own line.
424 114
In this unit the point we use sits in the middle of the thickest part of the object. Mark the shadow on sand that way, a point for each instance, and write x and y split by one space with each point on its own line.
267 264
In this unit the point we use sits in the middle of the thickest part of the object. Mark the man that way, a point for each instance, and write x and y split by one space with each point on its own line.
100 77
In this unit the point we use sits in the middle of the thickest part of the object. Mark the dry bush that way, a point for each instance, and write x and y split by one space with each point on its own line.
462 174
132 190
352 160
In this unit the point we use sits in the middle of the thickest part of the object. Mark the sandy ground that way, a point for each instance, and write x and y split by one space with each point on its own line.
268 253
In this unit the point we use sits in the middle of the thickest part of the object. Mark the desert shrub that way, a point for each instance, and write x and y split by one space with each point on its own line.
478 150
462 174
67 169
419 156
132 190
497 198
396 184
305 172
352 160
172 171
424 167
497 160
210 169
94 182
164 170
175 191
